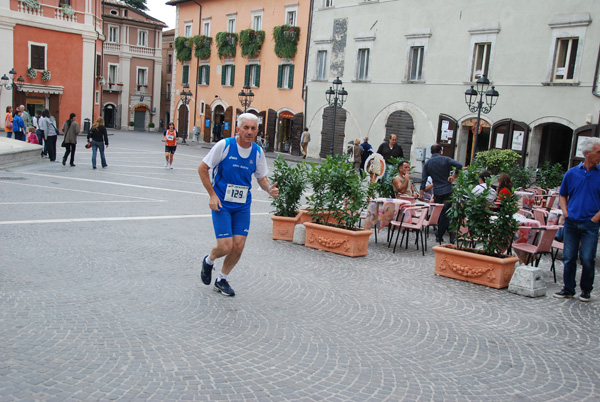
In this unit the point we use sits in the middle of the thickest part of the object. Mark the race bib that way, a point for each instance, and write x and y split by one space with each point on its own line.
170 137
235 193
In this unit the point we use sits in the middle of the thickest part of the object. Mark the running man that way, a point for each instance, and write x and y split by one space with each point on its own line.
233 162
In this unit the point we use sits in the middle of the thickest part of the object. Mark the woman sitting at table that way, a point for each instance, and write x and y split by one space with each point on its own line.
402 183
505 187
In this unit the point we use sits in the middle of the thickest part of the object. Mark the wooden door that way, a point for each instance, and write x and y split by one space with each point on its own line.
401 123
511 134
590 130
271 125
297 128
227 123
446 135
207 123
182 121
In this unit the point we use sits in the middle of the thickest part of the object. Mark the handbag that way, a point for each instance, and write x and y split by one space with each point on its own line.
7 123
88 145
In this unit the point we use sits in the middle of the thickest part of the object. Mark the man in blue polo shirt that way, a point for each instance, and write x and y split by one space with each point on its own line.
580 205
233 162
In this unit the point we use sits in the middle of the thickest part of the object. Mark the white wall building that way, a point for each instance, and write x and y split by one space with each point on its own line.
407 64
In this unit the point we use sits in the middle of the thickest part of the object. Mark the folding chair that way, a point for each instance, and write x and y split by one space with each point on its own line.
540 215
556 246
543 246
417 215
434 217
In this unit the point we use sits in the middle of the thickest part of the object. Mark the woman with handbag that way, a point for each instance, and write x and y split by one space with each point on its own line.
70 129
8 122
99 138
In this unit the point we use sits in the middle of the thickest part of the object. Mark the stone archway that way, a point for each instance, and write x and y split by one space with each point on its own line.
401 123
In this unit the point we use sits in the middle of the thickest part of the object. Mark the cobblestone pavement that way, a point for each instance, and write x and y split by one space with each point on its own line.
101 299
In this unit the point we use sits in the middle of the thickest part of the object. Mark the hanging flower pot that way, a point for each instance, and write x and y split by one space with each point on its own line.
32 4
31 73
46 75
67 10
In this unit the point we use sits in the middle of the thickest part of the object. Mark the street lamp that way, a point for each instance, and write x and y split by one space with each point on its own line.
474 105
11 85
339 97
186 98
246 96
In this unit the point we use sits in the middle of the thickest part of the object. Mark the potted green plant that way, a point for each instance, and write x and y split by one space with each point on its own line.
183 48
550 176
476 220
131 125
151 127
226 44
286 40
338 195
291 181
202 46
251 42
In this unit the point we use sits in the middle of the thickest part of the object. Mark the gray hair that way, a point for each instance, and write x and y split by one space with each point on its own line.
247 116
588 144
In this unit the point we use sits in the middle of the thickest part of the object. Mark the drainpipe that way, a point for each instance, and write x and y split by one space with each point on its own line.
306 54
197 63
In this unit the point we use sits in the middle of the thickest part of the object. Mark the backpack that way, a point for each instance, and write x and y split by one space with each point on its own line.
7 123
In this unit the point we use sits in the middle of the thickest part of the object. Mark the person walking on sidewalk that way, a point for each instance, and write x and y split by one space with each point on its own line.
170 145
233 162
70 129
304 140
440 168
580 205
99 138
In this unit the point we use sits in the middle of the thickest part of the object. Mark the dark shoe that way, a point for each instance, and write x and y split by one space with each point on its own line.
72 164
585 297
439 240
93 167
222 286
64 161
563 295
206 273
105 166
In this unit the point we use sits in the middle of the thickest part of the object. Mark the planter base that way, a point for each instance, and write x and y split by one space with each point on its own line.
283 227
495 272
353 243
527 281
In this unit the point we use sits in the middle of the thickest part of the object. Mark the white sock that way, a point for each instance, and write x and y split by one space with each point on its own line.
208 261
221 276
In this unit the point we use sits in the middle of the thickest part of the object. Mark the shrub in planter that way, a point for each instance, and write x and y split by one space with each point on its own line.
202 46
286 41
226 44
251 42
550 176
291 181
151 125
497 160
183 47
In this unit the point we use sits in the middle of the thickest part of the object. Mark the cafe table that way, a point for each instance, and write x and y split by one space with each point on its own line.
381 211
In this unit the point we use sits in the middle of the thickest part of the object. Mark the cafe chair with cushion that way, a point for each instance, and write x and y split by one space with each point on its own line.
434 217
540 215
542 244
414 217
556 247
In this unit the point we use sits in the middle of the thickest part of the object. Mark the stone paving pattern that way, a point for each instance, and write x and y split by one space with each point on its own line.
101 299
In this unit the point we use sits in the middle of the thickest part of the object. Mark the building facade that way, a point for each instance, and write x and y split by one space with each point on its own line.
132 67
222 46
168 38
407 64
57 50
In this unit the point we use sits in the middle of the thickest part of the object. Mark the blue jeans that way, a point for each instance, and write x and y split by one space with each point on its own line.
98 145
586 233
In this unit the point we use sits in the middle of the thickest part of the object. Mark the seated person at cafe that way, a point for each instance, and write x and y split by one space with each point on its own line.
505 187
480 188
402 183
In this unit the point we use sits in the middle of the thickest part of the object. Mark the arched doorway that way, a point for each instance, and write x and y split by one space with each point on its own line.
182 121
218 120
109 115
472 144
401 123
555 145
285 125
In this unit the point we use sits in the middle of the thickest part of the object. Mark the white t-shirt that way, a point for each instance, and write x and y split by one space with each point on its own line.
220 151
478 189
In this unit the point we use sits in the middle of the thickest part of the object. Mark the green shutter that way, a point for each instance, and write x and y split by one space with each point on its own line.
232 75
291 81
279 76
223 74
257 76
185 74
207 74
200 74
247 75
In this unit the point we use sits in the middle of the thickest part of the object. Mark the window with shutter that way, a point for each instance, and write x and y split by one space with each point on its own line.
38 54
257 76
279 76
185 74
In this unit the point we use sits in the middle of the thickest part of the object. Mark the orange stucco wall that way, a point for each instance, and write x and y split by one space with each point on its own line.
267 95
63 59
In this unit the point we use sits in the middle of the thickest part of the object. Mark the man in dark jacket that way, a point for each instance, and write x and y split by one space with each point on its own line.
390 149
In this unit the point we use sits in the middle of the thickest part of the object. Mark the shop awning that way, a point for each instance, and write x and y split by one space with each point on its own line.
43 89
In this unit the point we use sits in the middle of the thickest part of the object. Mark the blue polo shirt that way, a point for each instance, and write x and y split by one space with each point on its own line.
582 188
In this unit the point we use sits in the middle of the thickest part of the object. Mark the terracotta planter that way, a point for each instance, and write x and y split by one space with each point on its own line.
353 243
283 227
495 272
303 216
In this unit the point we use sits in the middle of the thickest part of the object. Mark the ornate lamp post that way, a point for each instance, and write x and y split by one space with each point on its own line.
474 105
186 96
246 96
12 86
336 98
